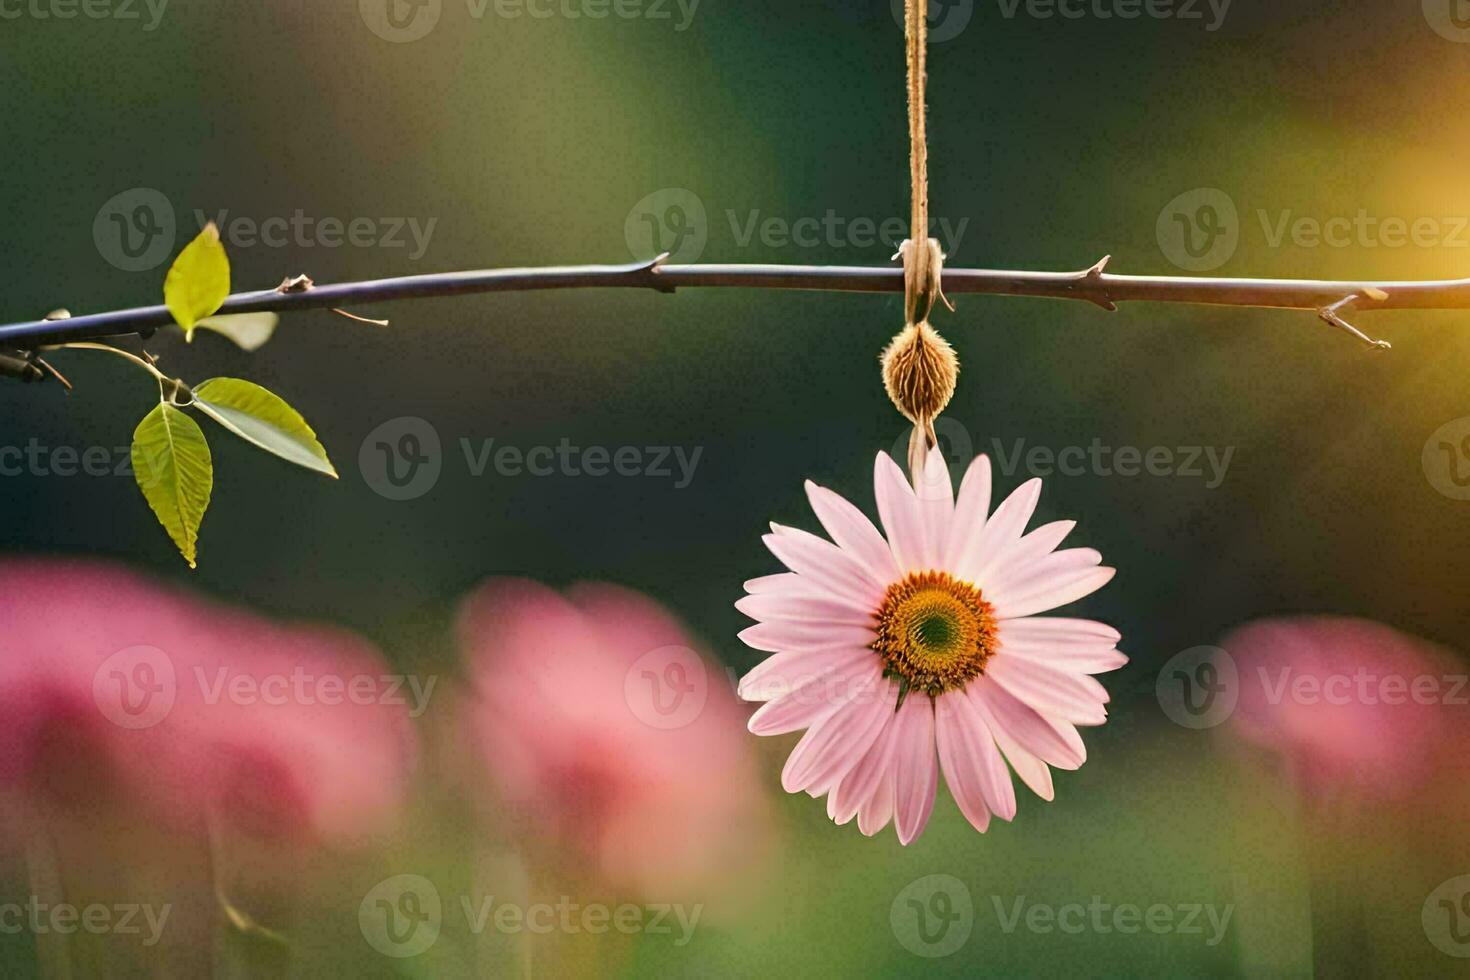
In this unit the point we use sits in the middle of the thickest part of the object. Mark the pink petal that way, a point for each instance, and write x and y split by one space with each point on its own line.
1001 532
975 770
781 582
835 745
961 771
1064 588
1057 630
1054 742
899 511
780 634
1035 546
1074 698
915 769
854 533
935 495
874 814
824 565
1051 646
782 673
816 699
1007 583
861 782
970 514
805 608
1033 772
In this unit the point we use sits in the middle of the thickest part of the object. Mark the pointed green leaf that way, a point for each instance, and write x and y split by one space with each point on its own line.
256 415
173 467
249 331
199 281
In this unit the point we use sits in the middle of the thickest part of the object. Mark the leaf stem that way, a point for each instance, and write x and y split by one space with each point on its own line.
145 365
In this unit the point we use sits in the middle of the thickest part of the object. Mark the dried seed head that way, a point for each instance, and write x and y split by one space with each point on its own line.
920 371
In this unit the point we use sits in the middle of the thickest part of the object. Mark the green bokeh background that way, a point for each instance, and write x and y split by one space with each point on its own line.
530 140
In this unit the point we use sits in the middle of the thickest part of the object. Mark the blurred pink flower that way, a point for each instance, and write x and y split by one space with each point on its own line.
1348 702
608 733
119 689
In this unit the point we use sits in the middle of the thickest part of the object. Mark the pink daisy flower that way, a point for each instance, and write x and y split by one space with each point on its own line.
920 652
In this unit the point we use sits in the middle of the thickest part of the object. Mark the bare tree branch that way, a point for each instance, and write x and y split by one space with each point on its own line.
1329 300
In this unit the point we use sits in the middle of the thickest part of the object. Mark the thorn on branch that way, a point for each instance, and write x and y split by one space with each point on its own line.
651 268
1332 315
295 284
1094 276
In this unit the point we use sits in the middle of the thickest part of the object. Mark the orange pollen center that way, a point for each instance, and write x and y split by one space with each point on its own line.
935 632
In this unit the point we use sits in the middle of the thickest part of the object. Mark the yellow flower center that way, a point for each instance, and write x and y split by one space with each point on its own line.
935 632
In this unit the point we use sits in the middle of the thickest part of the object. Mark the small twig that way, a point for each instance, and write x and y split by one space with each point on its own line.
46 367
147 365
360 319
1333 316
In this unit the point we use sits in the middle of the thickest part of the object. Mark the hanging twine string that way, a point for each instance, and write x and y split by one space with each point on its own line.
916 259
920 369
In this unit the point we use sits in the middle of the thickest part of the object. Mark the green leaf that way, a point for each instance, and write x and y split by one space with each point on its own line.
256 415
249 331
175 471
199 281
